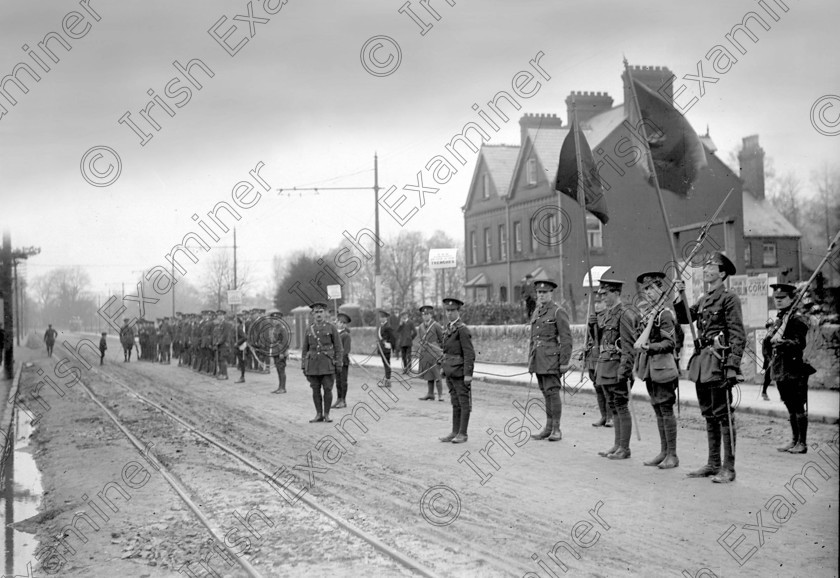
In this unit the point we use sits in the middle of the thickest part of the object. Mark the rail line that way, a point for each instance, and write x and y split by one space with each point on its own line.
367 537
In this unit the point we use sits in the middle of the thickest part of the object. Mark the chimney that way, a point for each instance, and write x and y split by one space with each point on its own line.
538 122
751 161
587 105
654 77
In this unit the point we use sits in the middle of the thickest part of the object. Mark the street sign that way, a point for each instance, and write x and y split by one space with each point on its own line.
234 297
334 291
752 291
442 258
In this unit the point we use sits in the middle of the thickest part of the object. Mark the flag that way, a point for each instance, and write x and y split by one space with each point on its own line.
567 177
677 152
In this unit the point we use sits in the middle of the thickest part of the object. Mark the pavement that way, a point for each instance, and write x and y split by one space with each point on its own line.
823 404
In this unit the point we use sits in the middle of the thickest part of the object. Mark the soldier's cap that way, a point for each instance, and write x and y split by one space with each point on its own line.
274 313
221 312
383 313
545 285
611 284
318 305
451 303
344 317
723 262
206 312
258 310
426 309
787 288
650 277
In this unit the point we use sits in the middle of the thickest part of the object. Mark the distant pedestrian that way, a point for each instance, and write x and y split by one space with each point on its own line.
103 346
49 339
126 340
405 337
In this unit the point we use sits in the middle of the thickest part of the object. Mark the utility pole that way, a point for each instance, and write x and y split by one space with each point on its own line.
6 291
235 284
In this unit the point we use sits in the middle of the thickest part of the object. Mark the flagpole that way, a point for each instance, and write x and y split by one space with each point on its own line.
652 169
582 202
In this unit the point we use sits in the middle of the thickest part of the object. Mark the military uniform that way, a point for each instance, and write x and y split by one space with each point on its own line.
590 361
431 350
127 340
343 369
220 343
457 366
320 354
406 333
240 340
279 350
713 368
385 343
550 350
614 368
789 370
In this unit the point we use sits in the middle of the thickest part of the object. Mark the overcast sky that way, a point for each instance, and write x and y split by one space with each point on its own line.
297 98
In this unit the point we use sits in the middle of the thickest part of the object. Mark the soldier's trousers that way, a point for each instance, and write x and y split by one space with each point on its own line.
221 354
240 362
280 365
715 400
405 354
794 394
550 387
341 383
385 355
460 394
317 382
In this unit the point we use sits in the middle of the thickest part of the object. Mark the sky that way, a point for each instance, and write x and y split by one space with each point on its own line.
293 92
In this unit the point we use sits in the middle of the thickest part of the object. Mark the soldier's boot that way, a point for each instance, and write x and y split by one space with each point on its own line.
663 444
327 401
431 394
670 425
456 424
439 386
615 446
547 429
556 414
801 446
625 428
462 430
282 386
386 382
713 465
318 401
602 407
794 427
727 472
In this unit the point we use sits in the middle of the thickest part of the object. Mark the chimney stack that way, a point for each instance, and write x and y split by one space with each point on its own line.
538 122
654 77
587 105
751 161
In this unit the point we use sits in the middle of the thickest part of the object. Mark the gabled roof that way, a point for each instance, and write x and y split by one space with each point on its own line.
501 162
762 219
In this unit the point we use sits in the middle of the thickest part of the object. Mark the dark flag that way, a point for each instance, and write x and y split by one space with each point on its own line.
677 152
567 175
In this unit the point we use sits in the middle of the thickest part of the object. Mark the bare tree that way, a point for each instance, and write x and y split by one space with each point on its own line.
218 278
785 194
403 264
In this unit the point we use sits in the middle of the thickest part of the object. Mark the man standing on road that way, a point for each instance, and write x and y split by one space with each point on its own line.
279 347
406 333
590 358
431 349
342 321
385 341
614 370
788 368
716 363
549 353
220 344
49 339
457 367
528 296
320 354
126 340
241 343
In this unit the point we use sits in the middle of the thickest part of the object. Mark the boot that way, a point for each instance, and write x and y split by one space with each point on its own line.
602 407
282 386
663 444
625 429
386 382
316 399
556 434
615 447
713 465
456 423
801 446
439 386
328 397
556 413
431 394
241 379
794 427
671 460
547 429
327 418
727 472
462 430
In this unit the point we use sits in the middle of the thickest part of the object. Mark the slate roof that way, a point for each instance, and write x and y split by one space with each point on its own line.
501 163
762 219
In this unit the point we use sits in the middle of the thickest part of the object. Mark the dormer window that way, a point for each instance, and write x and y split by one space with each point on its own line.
531 172
485 186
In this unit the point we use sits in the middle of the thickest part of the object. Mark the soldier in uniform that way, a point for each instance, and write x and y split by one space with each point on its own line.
431 349
142 339
549 353
153 340
457 367
788 368
206 341
279 348
320 353
385 342
165 342
661 342
595 326
103 346
221 331
614 370
406 333
716 363
195 340
241 343
126 340
342 321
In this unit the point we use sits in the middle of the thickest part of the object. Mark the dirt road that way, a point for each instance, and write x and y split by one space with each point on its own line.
500 505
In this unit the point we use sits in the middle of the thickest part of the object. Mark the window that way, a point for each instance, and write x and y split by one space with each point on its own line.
594 232
488 246
502 243
485 186
481 294
769 258
748 254
531 237
517 237
552 230
503 294
531 172
473 248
